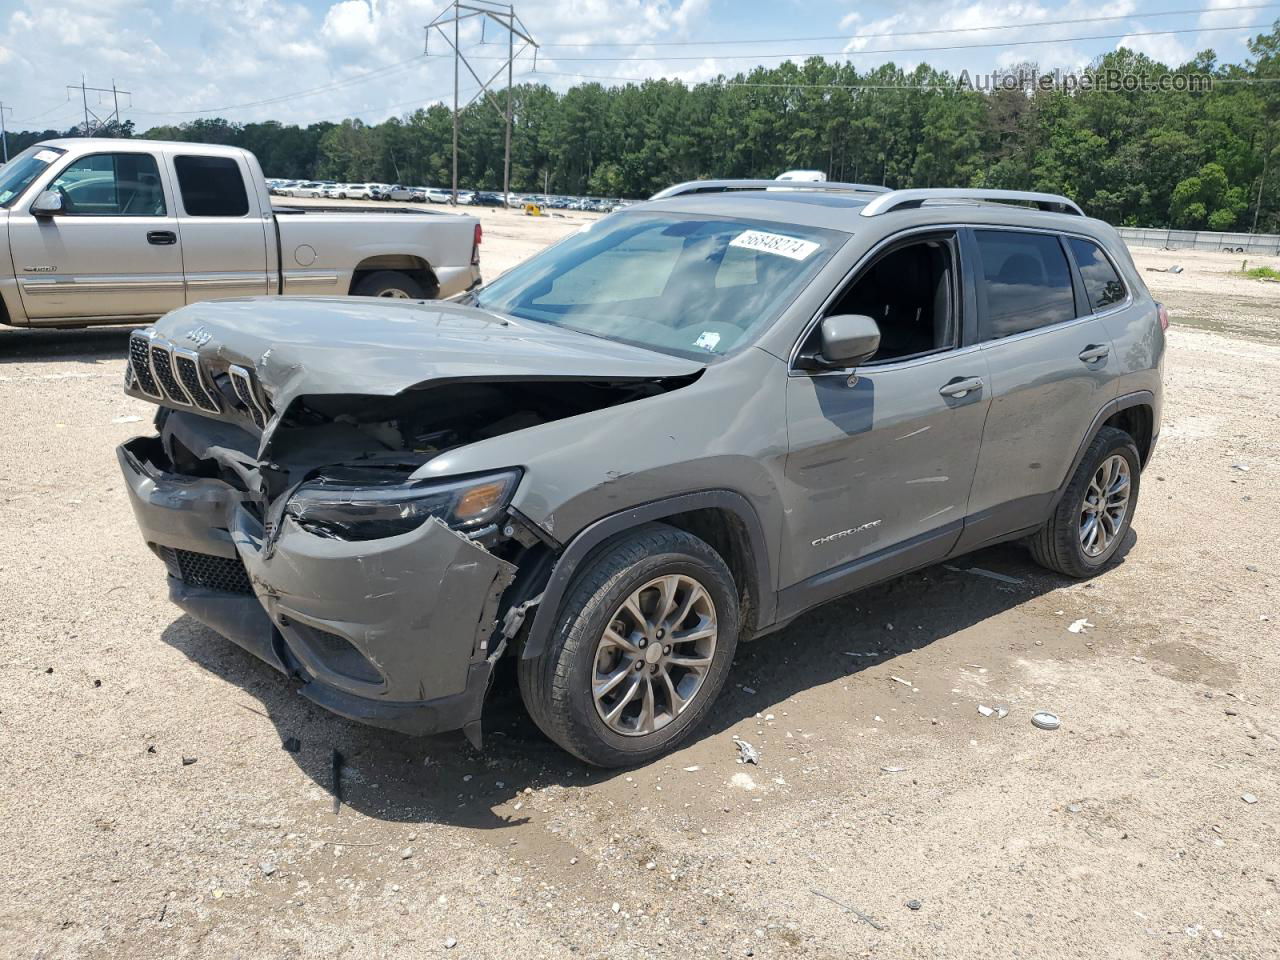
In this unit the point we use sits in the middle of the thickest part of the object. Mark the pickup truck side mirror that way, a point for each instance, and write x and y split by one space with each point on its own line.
47 204
846 340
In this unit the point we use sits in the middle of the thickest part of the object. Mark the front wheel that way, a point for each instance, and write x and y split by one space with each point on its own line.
644 642
1095 513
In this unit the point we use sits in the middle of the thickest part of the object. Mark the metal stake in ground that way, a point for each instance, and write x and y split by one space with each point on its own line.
505 16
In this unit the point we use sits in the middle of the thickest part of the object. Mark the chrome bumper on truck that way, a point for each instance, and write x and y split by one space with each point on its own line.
393 632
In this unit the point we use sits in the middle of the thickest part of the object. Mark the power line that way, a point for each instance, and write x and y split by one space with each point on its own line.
883 50
916 33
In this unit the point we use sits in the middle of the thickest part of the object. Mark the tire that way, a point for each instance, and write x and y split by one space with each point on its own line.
1059 544
393 284
557 685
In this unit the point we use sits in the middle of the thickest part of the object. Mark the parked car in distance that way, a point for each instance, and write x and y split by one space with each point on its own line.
688 425
438 195
304 188
121 231
411 194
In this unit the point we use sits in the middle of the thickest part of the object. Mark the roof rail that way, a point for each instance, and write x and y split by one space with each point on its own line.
722 186
903 199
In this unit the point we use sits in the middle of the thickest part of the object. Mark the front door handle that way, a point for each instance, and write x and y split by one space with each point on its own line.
961 387
1095 351
162 238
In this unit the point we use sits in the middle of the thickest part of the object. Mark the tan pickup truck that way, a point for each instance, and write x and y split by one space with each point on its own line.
122 231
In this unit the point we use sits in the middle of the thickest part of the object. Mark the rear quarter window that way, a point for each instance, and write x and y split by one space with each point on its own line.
1101 280
1026 281
211 187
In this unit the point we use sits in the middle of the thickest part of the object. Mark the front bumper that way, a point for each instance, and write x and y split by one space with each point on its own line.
394 633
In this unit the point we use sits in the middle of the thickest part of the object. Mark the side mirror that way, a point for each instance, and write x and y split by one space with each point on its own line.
848 339
47 204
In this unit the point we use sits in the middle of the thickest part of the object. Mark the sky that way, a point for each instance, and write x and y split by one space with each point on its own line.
301 61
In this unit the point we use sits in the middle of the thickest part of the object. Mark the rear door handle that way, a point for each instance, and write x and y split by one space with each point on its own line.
1095 351
960 387
162 238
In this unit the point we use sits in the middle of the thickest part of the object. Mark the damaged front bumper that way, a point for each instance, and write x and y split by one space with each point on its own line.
397 632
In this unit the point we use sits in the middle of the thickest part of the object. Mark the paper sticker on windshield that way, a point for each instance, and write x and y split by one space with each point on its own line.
790 247
46 156
707 340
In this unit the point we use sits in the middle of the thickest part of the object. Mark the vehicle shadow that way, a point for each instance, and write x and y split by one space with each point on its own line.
90 345
389 776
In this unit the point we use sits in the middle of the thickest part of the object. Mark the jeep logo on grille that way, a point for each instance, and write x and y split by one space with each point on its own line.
199 336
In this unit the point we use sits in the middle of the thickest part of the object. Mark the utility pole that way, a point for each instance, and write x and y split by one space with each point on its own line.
505 16
4 136
91 129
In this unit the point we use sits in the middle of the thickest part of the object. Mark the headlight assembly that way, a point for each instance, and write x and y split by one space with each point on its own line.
351 507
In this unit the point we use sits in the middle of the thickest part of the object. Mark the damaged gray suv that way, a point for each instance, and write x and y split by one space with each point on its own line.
682 426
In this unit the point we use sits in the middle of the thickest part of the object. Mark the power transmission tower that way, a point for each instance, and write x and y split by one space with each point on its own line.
505 16
4 136
91 130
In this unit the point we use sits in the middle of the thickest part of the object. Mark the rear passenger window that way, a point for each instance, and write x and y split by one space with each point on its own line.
1026 280
1101 282
211 187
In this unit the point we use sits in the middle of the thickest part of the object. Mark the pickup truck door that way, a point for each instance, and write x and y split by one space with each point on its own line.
223 228
113 250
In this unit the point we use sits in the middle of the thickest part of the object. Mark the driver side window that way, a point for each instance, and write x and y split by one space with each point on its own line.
112 185
910 292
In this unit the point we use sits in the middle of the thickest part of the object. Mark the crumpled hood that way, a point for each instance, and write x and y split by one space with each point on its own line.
302 346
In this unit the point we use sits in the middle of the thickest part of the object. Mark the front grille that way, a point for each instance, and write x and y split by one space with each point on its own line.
189 374
205 570
242 383
140 364
162 366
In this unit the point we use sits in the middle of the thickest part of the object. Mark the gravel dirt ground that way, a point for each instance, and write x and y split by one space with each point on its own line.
887 816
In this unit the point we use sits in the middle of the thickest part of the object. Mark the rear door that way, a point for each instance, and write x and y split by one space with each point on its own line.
1051 368
224 231
111 252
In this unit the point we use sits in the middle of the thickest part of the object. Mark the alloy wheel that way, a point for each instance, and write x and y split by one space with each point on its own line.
655 655
1106 503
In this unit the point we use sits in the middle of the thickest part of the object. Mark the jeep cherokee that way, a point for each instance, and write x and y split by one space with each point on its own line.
686 424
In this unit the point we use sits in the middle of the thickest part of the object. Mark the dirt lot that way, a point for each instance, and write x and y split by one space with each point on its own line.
886 818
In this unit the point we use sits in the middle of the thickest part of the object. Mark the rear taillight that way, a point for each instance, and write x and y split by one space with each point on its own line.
475 244
1161 311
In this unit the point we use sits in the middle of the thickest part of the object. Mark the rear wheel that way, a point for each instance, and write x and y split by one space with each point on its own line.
392 284
1094 515
644 643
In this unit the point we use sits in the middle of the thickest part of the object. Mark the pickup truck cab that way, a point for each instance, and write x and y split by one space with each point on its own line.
123 231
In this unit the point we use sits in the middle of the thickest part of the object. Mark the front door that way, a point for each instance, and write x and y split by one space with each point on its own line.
882 457
113 250
224 233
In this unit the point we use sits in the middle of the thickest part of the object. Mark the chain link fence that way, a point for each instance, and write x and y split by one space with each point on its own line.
1266 243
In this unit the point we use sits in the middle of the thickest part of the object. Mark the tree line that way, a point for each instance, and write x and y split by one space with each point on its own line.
1197 160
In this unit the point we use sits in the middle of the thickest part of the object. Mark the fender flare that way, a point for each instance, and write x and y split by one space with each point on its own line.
580 547
1112 407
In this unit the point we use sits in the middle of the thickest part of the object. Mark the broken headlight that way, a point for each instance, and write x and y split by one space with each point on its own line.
353 507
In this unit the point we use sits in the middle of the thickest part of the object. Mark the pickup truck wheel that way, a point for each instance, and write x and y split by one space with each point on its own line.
645 639
1095 513
390 283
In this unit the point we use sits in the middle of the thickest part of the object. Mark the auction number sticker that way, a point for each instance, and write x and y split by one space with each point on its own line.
790 247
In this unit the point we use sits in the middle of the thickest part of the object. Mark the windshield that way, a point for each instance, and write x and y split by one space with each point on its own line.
17 174
682 284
